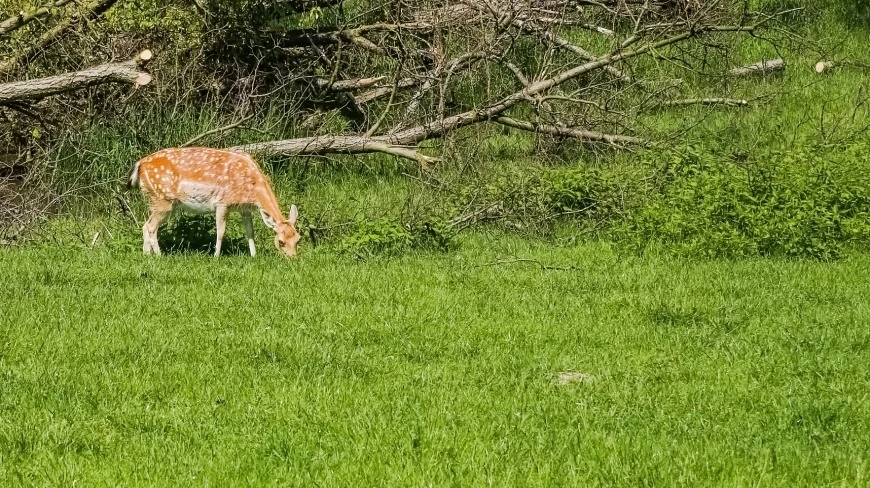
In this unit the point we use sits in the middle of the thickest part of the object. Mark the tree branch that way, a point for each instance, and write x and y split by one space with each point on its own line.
730 102
759 68
584 135
125 72
23 18
401 143
92 11
218 130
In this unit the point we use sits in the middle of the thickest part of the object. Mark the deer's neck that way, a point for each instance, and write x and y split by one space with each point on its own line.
269 206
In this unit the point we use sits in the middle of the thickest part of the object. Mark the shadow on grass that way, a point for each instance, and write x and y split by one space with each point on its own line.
196 234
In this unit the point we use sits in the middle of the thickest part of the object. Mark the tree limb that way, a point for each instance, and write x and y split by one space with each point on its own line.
401 143
730 102
584 135
760 68
125 72
566 45
350 144
23 18
92 11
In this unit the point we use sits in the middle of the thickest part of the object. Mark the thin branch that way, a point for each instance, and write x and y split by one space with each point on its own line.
730 102
584 135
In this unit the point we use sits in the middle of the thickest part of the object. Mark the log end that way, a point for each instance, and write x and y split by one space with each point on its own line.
823 66
143 57
143 79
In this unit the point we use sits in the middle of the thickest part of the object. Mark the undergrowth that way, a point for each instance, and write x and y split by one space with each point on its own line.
807 203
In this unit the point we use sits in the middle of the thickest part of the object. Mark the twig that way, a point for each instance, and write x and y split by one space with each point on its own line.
218 130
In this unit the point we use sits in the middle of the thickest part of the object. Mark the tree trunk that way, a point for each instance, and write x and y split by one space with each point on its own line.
125 72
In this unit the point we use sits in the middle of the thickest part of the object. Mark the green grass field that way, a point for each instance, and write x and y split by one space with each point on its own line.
432 369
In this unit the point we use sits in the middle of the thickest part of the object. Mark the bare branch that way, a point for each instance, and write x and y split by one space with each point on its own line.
336 145
564 44
349 85
401 143
218 130
730 102
760 68
584 135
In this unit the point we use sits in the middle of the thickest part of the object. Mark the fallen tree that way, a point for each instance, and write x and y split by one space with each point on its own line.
131 71
535 93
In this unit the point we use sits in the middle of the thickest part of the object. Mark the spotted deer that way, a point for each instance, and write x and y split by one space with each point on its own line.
203 180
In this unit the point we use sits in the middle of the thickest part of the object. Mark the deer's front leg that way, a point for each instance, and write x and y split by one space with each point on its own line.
221 220
249 231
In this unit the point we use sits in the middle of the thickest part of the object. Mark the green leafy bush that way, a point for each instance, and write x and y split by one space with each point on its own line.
389 237
539 197
808 204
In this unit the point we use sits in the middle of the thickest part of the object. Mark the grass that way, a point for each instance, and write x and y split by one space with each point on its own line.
463 368
432 369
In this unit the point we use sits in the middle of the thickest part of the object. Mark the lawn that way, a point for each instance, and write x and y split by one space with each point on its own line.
432 369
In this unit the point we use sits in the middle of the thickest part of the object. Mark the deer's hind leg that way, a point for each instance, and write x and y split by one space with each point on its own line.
221 224
159 210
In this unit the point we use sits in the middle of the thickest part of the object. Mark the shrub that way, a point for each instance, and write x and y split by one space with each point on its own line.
389 237
808 204
537 198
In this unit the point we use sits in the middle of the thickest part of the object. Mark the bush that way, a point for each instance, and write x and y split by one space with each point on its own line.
797 204
389 237
538 198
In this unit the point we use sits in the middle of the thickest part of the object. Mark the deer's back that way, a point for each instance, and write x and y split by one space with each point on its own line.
199 179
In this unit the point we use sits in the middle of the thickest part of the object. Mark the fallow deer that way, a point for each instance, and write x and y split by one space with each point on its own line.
210 180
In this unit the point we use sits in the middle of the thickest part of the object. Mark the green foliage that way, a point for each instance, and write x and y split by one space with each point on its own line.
538 197
808 204
389 237
171 20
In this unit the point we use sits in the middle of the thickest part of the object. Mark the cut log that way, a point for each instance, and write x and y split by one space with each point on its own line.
131 71
760 68
825 66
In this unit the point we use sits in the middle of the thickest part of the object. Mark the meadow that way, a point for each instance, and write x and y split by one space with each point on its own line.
504 363
704 323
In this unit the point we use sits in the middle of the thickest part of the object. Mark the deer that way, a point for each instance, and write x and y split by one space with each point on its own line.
202 180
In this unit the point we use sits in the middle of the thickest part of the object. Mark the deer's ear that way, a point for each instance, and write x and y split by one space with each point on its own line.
293 215
269 221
